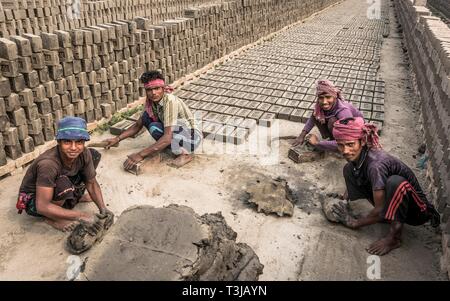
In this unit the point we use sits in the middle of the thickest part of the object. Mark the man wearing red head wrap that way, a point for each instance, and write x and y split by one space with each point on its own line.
168 120
330 106
389 185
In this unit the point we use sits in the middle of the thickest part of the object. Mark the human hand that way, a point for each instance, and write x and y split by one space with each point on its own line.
91 222
299 140
107 214
313 140
342 214
111 142
132 160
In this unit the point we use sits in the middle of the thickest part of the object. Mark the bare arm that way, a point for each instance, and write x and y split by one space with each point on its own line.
95 192
133 130
45 207
159 145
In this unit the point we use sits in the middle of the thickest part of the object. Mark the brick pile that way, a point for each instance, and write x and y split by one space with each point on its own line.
428 42
36 16
442 6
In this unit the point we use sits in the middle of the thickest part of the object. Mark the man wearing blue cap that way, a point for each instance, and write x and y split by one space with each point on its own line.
58 178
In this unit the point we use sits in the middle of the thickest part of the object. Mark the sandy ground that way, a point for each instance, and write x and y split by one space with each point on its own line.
302 247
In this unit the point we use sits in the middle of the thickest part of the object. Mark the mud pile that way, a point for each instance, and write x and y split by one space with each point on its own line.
269 195
171 243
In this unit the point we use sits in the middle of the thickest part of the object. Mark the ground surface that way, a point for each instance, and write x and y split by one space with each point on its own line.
302 247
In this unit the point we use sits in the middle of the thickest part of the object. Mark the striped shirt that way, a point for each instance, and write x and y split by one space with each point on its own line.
172 111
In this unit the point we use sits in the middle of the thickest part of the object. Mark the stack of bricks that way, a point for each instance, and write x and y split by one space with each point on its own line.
443 6
428 41
36 16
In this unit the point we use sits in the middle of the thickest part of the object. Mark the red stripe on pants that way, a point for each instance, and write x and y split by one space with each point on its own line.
395 200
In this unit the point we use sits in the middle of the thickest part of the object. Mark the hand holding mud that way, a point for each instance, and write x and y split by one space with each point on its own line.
92 224
107 214
342 214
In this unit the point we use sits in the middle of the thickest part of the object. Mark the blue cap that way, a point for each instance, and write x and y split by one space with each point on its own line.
72 128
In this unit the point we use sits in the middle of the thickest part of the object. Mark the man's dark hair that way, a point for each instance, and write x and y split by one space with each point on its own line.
151 75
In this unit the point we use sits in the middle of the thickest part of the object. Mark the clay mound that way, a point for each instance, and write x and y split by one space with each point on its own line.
269 195
171 243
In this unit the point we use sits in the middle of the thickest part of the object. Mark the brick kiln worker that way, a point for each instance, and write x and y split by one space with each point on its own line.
389 185
329 108
169 121
58 178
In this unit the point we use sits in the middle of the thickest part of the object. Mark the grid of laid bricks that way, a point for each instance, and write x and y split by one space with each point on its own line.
277 79
93 71
428 42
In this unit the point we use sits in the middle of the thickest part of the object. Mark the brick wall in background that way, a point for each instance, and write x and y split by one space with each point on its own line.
92 71
35 16
441 5
427 39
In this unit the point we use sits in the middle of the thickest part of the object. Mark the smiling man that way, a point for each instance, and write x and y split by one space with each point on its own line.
389 185
58 178
329 108
169 121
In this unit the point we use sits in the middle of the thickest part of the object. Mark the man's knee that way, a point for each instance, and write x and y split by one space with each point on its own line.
156 129
394 181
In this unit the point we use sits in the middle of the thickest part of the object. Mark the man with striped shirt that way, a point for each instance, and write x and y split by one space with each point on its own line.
168 120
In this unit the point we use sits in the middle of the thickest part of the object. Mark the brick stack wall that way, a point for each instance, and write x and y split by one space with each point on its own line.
427 39
441 5
36 16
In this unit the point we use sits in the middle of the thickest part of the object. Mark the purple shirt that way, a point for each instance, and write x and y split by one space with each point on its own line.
378 166
341 109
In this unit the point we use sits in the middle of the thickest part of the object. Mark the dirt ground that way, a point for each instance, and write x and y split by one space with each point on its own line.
302 247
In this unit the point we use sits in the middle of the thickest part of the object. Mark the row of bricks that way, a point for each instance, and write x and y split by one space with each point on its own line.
47 16
443 6
422 33
269 91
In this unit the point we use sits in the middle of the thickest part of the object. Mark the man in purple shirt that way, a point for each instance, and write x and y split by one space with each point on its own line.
389 185
330 107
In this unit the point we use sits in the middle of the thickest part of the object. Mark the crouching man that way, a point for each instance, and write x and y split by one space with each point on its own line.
330 107
56 181
389 185
168 120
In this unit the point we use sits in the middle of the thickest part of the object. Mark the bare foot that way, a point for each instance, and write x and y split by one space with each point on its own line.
63 225
182 160
85 198
383 246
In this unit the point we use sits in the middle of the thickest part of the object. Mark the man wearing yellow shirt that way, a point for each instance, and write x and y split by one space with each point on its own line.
169 121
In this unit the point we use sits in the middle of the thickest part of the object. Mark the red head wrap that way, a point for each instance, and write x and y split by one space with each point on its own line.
354 128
